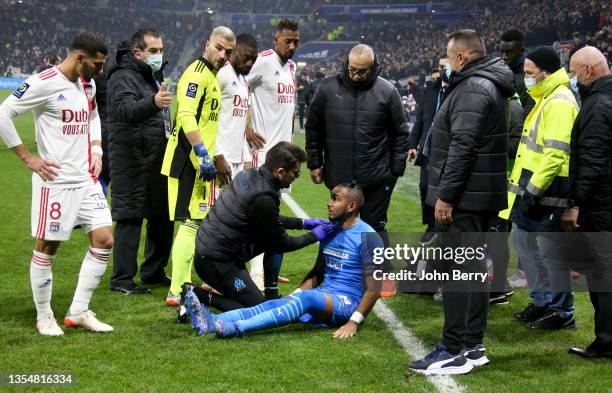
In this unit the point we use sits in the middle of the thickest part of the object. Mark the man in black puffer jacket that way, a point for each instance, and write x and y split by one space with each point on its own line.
357 131
467 186
590 188
139 123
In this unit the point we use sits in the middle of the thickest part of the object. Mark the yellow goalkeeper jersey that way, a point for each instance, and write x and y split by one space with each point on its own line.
198 105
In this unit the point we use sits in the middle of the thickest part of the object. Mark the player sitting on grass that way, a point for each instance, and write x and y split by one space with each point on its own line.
339 291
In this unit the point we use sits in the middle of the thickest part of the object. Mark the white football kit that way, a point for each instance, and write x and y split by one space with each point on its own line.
66 121
273 97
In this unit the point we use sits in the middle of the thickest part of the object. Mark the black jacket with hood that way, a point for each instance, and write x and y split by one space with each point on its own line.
137 140
469 146
357 131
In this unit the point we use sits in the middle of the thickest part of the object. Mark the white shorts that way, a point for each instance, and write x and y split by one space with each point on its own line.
55 211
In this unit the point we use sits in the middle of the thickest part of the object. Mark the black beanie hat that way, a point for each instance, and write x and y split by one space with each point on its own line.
546 58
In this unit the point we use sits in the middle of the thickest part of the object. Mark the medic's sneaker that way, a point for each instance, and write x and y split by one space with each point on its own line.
87 320
441 362
47 326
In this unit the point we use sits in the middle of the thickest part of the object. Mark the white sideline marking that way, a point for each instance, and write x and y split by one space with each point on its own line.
412 345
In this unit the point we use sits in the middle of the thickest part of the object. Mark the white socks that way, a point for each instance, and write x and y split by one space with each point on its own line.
41 280
92 270
257 265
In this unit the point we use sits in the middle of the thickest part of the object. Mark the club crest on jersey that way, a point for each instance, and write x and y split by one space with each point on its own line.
203 207
192 90
239 284
54 227
21 89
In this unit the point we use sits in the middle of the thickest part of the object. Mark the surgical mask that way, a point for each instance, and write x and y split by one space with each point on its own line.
155 61
574 83
530 82
448 70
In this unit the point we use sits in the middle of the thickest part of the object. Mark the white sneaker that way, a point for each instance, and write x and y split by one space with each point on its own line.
87 319
47 326
258 279
173 300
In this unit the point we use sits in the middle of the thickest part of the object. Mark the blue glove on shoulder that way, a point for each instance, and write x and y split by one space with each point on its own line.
206 164
311 223
323 230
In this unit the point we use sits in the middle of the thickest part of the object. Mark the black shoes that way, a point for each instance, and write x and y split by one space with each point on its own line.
132 290
553 320
531 313
428 238
498 298
590 353
163 281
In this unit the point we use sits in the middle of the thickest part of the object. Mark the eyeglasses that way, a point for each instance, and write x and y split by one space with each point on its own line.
358 71
573 74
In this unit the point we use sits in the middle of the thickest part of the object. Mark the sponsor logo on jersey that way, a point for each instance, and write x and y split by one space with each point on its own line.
286 93
192 90
20 90
239 284
241 106
214 89
75 122
277 73
61 97
54 227
203 207
333 264
234 83
335 253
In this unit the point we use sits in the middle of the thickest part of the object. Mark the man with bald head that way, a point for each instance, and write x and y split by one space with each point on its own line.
589 207
467 188
357 131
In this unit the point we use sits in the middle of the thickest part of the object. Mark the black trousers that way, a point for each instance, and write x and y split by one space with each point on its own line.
427 212
599 282
158 245
233 281
465 302
499 250
376 204
301 112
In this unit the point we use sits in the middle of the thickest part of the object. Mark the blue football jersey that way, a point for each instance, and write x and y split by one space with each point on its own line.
346 254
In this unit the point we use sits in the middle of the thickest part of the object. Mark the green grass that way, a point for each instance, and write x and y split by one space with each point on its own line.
149 352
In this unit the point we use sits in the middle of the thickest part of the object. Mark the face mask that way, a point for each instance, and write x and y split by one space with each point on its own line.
574 83
155 61
448 71
530 82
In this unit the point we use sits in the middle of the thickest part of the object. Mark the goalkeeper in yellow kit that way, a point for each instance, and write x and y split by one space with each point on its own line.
188 160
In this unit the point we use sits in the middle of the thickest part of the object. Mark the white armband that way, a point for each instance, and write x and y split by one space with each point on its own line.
97 149
357 317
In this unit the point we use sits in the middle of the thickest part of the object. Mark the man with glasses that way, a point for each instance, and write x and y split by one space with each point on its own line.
357 131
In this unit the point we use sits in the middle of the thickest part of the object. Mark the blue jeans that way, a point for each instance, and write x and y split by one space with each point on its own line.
549 279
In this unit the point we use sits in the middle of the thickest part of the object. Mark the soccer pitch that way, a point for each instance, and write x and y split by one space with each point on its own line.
149 352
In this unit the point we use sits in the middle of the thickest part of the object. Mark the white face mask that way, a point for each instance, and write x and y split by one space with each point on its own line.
155 61
530 82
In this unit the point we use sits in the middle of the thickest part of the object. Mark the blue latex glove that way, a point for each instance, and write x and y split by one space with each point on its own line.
323 230
207 166
311 223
